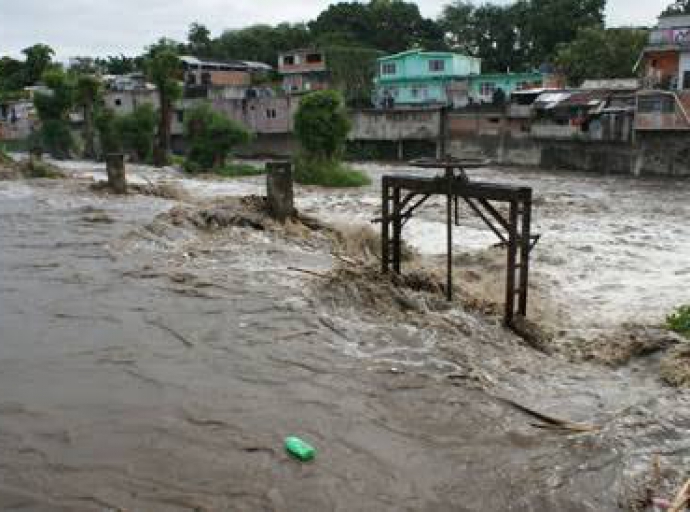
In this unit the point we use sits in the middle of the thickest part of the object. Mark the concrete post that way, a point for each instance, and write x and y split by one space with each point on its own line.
115 167
281 199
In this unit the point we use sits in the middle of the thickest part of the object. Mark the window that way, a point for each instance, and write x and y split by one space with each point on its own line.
314 58
521 85
118 102
180 116
388 68
271 113
487 88
414 93
289 60
437 65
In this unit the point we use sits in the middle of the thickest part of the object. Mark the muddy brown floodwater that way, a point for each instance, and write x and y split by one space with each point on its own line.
146 365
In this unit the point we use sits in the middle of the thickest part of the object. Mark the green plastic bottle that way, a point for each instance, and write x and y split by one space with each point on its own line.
299 449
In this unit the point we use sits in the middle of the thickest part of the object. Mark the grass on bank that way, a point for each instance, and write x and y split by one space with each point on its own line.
5 158
679 321
327 173
228 170
239 170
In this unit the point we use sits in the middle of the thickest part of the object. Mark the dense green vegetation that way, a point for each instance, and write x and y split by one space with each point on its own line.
235 170
679 320
211 137
601 53
133 133
164 70
321 126
53 110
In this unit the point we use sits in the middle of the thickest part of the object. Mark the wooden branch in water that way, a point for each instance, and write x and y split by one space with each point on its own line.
550 421
310 272
172 332
682 499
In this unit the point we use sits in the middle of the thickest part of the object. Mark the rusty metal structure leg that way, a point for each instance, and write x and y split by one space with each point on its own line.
449 250
396 218
511 263
385 225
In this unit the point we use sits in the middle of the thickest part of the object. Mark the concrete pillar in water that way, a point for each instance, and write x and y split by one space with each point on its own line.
115 166
281 198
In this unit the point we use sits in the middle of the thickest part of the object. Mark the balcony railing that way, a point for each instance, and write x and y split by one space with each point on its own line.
670 37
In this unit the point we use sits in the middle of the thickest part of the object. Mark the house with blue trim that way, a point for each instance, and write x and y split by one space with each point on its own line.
416 78
419 79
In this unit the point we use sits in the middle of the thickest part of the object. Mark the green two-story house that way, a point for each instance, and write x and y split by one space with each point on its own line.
419 78
416 78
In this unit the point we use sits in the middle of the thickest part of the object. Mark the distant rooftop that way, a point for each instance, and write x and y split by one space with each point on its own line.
231 65
616 84
419 51
666 22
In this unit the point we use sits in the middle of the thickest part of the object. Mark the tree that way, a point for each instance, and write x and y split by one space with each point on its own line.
83 65
548 23
199 40
136 131
38 59
261 43
518 36
322 125
88 90
458 22
53 111
11 75
678 8
599 53
108 136
388 25
492 32
211 136
120 64
352 71
164 69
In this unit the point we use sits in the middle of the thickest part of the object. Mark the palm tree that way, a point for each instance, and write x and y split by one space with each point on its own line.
163 67
87 93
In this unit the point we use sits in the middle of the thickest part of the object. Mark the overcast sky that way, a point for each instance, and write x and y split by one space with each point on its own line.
101 27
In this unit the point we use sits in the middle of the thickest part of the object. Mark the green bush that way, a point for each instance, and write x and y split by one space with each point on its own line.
56 138
107 133
328 173
211 136
322 125
679 320
4 157
132 133
53 111
137 131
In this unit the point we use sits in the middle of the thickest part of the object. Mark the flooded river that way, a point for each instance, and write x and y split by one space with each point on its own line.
151 367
